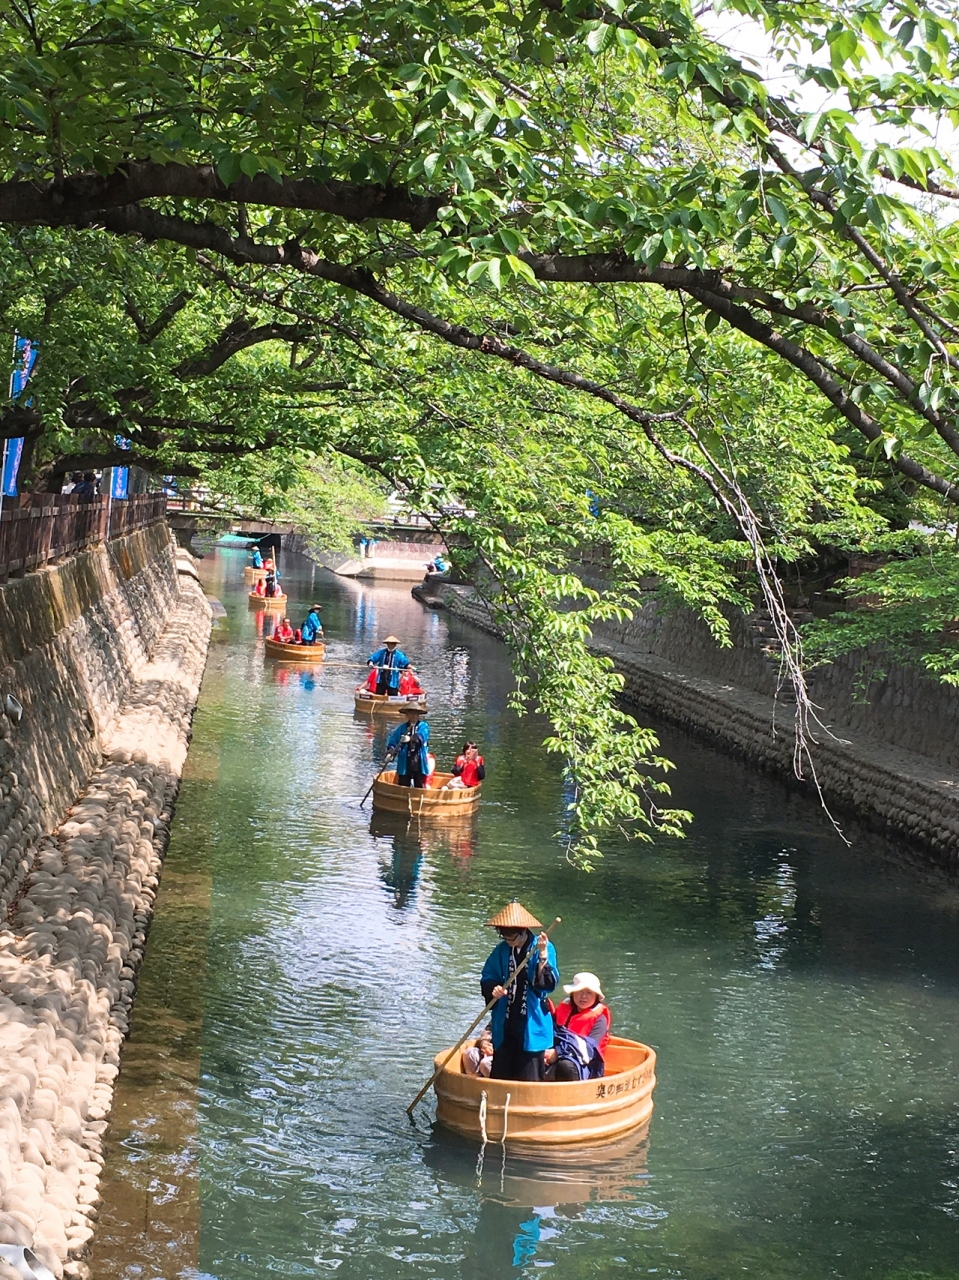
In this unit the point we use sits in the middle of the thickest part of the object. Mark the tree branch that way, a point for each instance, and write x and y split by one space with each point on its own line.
62 203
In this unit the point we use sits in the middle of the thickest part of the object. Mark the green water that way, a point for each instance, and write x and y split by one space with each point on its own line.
307 962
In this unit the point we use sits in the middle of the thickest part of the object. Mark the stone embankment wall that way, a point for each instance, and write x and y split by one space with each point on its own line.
106 653
893 759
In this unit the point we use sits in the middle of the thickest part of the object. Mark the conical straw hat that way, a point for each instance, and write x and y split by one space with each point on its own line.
514 916
391 640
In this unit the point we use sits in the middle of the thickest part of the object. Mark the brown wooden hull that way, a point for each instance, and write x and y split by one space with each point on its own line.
548 1115
267 602
423 802
378 704
302 653
253 575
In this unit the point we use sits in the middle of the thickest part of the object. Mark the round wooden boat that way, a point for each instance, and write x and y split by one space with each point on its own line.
268 602
423 802
383 704
293 652
252 574
550 1114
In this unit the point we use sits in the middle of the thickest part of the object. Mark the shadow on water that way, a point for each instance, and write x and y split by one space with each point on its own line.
308 959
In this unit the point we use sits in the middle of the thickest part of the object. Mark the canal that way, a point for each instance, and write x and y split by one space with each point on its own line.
306 962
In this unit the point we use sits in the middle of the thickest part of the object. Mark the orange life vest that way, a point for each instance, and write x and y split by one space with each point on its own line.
371 680
409 684
581 1022
283 634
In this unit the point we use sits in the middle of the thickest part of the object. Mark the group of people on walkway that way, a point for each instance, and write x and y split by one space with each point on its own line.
529 1037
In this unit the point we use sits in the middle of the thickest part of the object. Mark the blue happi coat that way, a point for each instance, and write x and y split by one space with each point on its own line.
419 763
397 662
311 628
538 1031
257 558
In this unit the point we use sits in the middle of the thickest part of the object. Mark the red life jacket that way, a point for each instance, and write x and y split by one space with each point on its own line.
409 684
581 1023
468 770
283 634
371 680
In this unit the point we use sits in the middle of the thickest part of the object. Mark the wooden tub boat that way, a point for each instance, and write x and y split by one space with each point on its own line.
293 652
550 1114
267 602
423 802
383 704
252 574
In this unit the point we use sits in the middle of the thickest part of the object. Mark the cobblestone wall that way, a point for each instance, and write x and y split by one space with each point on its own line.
106 653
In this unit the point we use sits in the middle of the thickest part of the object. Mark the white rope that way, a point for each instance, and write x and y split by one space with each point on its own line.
482 1118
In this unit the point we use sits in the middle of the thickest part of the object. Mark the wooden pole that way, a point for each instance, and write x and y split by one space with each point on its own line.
474 1024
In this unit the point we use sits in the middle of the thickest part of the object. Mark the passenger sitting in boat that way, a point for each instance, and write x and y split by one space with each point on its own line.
311 631
409 684
259 589
389 662
522 1027
478 1058
408 743
430 769
469 769
371 680
583 1014
284 632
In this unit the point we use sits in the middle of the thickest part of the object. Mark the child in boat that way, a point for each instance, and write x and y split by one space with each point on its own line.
582 1016
469 769
478 1058
284 632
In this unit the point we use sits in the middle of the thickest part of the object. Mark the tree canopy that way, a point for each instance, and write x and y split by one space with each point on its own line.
576 264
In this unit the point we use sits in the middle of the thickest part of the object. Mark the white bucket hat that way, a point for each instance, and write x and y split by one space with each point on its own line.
585 982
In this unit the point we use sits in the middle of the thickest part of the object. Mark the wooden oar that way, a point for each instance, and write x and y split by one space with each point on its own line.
389 761
473 1025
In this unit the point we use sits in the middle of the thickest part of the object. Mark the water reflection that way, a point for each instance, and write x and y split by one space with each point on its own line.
532 1177
409 839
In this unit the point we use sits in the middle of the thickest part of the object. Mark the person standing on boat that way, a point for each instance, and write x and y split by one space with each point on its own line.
311 631
408 742
390 662
521 1021
257 557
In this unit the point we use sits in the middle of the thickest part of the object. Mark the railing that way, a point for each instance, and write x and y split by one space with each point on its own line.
39 527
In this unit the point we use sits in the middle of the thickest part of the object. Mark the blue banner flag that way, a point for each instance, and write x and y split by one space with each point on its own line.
120 478
24 358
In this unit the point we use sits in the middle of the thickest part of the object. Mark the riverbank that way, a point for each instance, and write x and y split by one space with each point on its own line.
107 652
671 668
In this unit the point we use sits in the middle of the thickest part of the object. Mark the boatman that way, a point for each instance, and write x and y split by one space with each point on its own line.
390 661
522 1022
408 743
257 556
311 631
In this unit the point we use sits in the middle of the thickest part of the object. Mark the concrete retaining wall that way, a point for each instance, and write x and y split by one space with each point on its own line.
891 760
106 652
